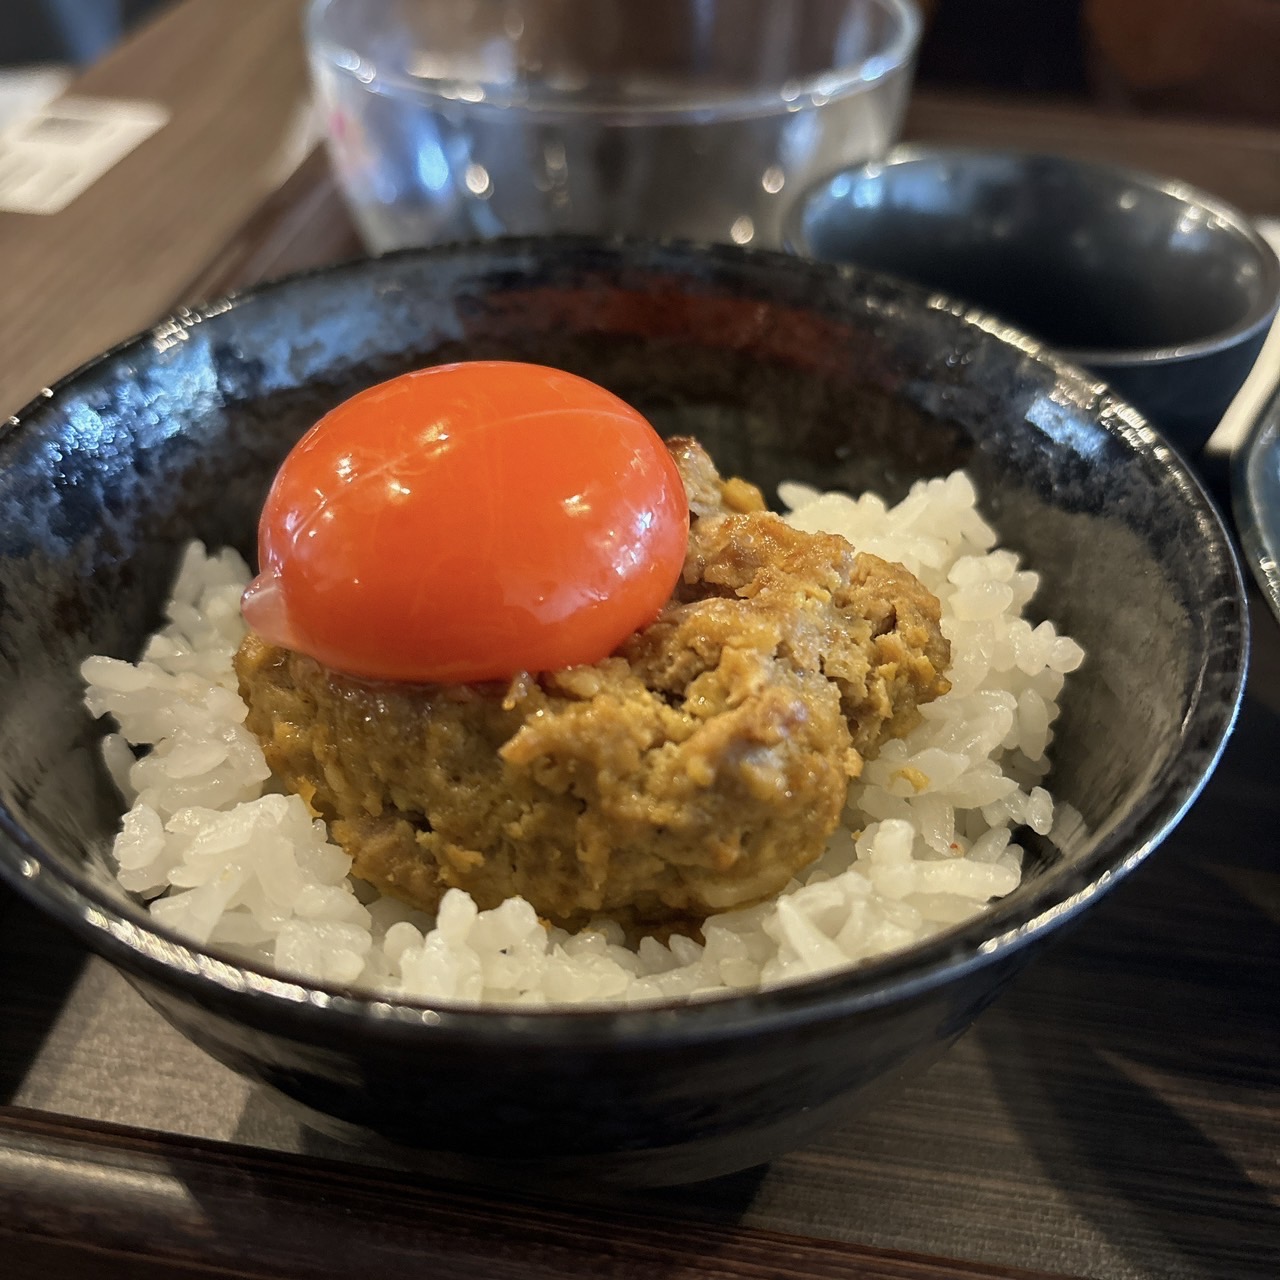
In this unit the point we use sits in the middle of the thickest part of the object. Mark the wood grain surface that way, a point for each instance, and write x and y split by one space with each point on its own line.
233 77
201 1201
1239 163
1114 1116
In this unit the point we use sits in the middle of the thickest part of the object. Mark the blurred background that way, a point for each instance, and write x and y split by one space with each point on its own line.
1170 56
65 31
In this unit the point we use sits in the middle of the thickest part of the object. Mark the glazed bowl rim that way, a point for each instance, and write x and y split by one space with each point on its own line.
148 951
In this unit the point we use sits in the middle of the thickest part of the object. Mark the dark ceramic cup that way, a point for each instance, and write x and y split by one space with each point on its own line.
784 368
1163 291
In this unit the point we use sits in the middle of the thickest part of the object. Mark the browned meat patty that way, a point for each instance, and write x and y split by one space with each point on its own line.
695 771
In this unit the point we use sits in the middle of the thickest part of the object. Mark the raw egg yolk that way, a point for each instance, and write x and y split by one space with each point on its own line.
467 522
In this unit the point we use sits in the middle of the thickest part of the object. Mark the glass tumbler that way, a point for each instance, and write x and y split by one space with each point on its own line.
699 119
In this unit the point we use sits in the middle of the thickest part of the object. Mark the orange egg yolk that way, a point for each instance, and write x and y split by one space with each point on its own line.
467 522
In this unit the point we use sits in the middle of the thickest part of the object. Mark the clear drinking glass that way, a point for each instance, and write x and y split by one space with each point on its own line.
458 119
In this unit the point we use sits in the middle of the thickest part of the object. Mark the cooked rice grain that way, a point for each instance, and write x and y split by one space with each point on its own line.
227 861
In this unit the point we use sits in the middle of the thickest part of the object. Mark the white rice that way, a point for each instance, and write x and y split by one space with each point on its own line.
224 859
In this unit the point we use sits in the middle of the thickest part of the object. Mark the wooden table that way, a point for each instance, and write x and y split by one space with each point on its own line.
1115 1115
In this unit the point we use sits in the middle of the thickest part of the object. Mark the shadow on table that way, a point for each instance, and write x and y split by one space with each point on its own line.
39 965
1139 1054
270 1121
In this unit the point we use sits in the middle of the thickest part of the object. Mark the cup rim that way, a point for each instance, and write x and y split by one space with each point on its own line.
820 88
1256 319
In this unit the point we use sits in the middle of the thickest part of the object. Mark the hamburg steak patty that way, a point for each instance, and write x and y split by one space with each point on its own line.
695 770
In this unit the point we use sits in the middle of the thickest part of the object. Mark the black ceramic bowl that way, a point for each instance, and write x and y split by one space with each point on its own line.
1159 288
785 368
